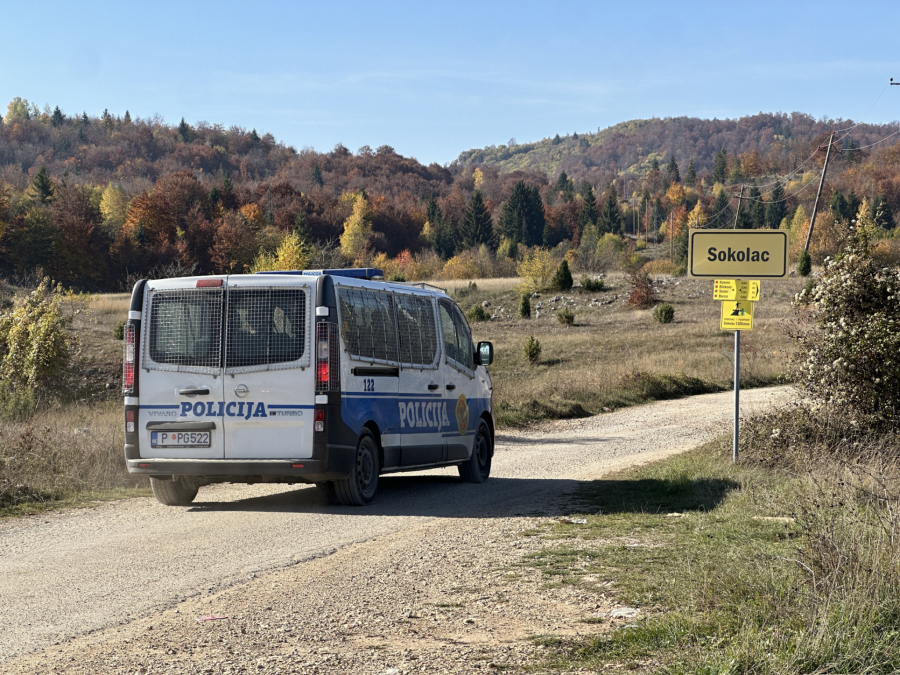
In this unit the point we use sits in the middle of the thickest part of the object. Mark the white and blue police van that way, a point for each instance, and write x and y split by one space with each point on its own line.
331 377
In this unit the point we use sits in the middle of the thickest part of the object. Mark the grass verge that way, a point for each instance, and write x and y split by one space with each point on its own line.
733 569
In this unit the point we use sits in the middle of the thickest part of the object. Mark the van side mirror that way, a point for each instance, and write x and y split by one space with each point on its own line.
484 356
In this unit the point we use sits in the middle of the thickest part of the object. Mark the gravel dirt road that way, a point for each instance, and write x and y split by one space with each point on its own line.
425 580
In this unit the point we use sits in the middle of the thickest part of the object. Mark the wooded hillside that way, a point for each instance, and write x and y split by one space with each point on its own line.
97 201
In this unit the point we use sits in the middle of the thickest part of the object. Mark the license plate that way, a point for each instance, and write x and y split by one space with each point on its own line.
179 439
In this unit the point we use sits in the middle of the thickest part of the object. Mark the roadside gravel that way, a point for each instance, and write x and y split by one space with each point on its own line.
429 581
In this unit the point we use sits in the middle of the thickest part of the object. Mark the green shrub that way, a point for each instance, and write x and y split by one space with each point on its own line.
642 294
17 403
396 276
804 263
525 306
35 347
119 331
477 313
562 280
592 285
565 316
664 313
847 348
532 349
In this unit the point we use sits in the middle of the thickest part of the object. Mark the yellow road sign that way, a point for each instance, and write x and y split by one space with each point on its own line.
737 315
736 289
738 254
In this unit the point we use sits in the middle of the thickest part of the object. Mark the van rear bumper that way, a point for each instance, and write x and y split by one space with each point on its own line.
248 470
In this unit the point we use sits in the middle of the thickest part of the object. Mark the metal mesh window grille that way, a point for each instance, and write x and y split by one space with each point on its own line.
327 346
457 338
185 330
367 325
266 326
416 328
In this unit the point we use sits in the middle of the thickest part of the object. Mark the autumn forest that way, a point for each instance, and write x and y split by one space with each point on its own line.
98 201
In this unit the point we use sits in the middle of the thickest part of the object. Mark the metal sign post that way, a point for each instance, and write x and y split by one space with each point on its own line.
737 394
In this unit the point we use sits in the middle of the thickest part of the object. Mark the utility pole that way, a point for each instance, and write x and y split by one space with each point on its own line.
812 218
738 210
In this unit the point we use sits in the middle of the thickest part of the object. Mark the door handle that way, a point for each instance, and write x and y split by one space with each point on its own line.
451 387
432 387
194 391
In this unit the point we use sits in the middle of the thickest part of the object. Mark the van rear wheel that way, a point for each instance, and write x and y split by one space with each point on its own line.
175 492
359 488
477 468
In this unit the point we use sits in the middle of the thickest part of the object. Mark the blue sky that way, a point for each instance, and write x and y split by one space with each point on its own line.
434 78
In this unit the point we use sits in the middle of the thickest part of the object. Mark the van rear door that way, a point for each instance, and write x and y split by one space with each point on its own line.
181 387
269 390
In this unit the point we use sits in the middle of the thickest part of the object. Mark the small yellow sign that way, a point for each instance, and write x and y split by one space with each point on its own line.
736 289
737 315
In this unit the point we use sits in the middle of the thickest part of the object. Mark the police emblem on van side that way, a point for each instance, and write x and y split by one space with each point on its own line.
462 414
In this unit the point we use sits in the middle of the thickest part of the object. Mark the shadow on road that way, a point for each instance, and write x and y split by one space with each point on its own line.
446 496
652 495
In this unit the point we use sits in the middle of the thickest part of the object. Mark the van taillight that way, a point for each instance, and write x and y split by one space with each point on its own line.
327 357
129 421
319 420
128 383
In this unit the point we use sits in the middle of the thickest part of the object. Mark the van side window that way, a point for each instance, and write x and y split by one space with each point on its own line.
367 324
415 325
265 326
185 328
457 338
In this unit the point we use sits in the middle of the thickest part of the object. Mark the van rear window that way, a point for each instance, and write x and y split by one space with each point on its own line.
265 326
186 328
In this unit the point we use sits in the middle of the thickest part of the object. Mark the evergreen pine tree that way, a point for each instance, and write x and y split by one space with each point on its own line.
775 207
57 117
317 175
84 119
127 118
672 173
42 187
853 203
838 206
804 263
547 236
524 306
106 119
565 187
433 212
254 136
654 164
589 211
720 164
736 175
691 178
721 216
185 133
562 280
850 153
522 216
610 220
757 208
477 226
301 230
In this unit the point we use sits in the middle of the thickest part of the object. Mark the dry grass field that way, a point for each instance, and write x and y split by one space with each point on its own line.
614 355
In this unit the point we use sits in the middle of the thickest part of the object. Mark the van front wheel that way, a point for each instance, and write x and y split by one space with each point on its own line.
477 468
359 488
174 492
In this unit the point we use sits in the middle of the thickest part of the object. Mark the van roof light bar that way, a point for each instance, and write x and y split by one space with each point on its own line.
351 272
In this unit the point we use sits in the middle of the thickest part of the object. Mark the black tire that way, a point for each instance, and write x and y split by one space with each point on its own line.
359 488
477 468
176 492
